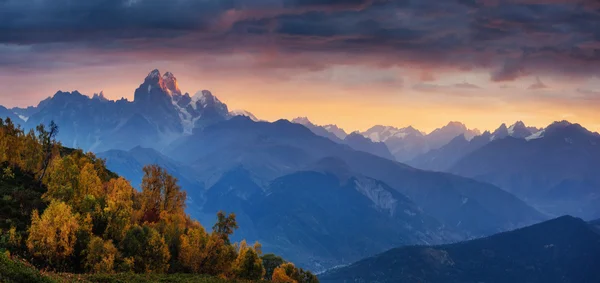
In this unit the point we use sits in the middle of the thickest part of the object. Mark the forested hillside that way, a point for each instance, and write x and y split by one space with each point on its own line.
62 211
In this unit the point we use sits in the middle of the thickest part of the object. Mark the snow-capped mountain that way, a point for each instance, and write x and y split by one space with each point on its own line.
159 114
337 131
318 130
519 130
404 143
555 169
354 140
443 158
407 143
441 136
241 112
381 133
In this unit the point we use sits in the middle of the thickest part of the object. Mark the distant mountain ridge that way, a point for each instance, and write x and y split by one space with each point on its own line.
355 140
555 169
443 158
407 143
565 249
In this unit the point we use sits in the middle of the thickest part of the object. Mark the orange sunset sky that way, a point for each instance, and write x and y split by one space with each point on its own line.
351 63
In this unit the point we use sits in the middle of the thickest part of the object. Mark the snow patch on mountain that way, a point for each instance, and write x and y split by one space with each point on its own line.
22 117
241 112
381 197
537 135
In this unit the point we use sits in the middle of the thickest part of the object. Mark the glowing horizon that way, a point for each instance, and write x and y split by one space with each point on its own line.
354 63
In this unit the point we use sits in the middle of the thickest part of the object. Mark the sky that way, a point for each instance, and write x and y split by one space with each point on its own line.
354 63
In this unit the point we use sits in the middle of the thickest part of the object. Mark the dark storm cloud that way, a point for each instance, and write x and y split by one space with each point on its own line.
329 3
510 39
28 21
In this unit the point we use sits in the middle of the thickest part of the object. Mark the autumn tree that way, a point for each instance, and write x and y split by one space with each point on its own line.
160 193
89 182
33 154
248 265
281 275
100 256
287 272
62 180
119 208
192 251
53 235
172 227
205 253
270 262
147 248
225 226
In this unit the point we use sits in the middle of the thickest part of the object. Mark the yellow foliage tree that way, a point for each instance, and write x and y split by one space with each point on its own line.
119 208
248 265
100 256
53 235
192 249
62 180
160 193
206 254
89 184
280 276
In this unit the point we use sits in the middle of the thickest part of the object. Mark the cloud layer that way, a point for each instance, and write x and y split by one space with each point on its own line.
508 39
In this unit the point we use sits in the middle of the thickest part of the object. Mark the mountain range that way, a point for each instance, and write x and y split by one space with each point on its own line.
318 195
564 249
555 170
443 158
407 143
355 140
159 114
283 155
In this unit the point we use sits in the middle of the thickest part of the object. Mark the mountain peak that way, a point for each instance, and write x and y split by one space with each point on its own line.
518 124
152 88
560 124
337 131
519 130
242 112
99 96
170 83
302 121
567 129
456 124
500 133
204 97
153 74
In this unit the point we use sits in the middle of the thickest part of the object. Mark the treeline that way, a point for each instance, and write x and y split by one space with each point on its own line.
62 210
